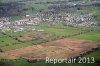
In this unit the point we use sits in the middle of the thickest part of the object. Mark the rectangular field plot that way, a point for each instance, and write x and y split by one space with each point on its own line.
94 36
54 49
18 34
6 40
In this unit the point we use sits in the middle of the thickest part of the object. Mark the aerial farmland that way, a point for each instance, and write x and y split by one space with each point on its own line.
46 33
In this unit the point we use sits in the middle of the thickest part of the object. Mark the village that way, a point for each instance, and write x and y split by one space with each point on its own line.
68 20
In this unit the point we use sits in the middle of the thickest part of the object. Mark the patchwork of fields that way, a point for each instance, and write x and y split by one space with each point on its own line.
9 45
49 28
9 40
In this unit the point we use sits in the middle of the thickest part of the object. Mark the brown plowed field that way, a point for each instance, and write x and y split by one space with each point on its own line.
25 39
54 49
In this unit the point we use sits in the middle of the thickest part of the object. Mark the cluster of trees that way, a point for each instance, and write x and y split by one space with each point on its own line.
10 9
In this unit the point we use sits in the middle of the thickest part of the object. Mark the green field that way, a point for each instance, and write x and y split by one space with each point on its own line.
96 54
94 36
25 63
5 40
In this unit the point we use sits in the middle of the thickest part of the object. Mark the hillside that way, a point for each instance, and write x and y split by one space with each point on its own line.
32 30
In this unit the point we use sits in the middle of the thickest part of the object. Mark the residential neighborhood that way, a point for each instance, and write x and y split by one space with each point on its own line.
68 20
